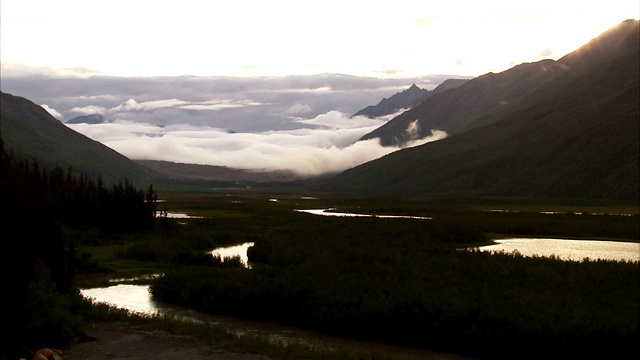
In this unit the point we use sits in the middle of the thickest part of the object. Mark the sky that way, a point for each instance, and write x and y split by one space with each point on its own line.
276 38
267 84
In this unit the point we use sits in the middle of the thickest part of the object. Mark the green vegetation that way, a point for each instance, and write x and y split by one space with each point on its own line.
405 282
41 208
397 281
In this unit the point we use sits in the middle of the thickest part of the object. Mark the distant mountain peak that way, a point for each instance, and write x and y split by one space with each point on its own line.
87 119
405 99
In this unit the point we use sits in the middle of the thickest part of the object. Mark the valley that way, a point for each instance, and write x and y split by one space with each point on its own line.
544 150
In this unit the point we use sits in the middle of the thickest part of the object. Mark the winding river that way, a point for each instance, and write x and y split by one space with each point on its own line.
137 298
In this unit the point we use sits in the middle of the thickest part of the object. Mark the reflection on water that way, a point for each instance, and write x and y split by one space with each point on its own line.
331 212
233 251
575 250
564 213
172 215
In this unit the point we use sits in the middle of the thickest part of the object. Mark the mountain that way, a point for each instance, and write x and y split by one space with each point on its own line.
448 84
31 132
578 137
87 119
477 102
179 171
402 100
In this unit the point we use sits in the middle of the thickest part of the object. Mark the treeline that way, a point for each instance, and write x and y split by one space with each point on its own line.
406 282
40 207
75 199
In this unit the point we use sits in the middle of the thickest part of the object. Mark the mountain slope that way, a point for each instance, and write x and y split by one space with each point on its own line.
181 171
402 100
577 139
457 110
448 85
31 132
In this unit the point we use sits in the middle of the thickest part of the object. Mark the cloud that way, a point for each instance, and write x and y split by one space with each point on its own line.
546 53
297 123
209 105
133 105
413 130
331 145
412 135
299 109
89 110
435 136
55 113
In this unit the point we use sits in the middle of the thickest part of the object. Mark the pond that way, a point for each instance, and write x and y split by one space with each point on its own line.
566 249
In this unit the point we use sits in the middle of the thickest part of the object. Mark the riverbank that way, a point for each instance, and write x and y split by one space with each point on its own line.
121 340
136 339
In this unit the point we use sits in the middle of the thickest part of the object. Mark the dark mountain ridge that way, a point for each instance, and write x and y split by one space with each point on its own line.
577 138
468 105
491 97
448 85
31 132
399 101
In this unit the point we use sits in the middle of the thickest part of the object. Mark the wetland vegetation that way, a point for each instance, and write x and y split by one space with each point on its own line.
398 281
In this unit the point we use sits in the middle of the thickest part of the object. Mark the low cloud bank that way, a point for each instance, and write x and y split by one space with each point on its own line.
295 123
327 143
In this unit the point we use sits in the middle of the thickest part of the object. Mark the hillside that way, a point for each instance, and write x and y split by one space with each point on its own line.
448 85
31 132
577 138
178 171
460 109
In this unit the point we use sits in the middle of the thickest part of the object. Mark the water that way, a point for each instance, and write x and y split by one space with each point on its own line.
331 212
574 250
233 251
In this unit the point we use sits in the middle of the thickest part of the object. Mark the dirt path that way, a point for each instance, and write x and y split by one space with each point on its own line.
118 340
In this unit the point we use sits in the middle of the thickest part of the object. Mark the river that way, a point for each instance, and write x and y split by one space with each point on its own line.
136 298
